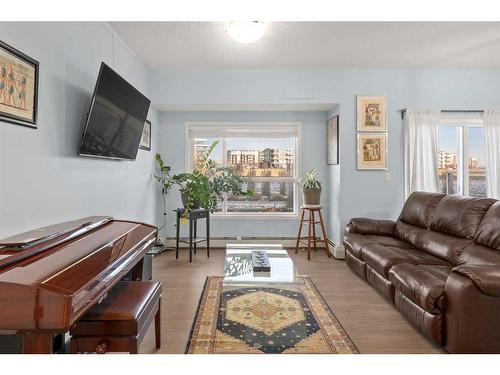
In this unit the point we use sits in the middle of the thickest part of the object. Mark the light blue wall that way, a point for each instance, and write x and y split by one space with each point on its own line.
41 179
357 193
313 155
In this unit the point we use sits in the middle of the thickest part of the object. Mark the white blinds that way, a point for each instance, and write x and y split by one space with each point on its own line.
240 131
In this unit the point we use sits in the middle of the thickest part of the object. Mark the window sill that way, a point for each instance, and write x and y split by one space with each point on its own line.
223 217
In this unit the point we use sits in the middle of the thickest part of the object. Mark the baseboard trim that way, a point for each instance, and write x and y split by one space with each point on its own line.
290 242
339 252
223 241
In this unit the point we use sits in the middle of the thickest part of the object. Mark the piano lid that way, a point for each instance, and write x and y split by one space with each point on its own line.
24 245
52 231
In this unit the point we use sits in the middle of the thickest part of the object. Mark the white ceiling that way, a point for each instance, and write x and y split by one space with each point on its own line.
316 45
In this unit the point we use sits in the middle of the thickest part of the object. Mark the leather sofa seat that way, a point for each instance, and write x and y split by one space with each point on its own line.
355 243
358 241
382 258
389 241
422 284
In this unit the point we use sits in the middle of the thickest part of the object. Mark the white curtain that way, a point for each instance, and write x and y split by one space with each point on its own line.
421 151
492 135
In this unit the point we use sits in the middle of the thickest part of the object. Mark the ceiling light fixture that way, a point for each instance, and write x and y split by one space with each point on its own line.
246 31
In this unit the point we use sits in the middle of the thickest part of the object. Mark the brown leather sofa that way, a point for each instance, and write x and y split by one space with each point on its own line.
439 263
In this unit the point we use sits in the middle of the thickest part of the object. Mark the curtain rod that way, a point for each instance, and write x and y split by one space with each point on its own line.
403 111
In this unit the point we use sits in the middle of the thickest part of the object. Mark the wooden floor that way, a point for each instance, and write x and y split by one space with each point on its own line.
373 324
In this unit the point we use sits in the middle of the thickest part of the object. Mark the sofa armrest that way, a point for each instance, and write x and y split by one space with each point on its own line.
471 316
363 225
485 277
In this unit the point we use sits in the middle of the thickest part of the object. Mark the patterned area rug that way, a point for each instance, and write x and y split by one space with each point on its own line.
265 320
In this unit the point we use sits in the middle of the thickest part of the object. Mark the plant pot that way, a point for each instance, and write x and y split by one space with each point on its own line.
195 205
311 197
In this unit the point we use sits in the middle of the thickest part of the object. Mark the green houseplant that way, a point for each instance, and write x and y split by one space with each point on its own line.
206 185
311 188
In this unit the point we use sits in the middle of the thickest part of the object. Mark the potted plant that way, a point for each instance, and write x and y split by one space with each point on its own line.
311 188
206 185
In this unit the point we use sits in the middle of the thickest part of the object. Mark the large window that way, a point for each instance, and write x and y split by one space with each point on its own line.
265 152
461 159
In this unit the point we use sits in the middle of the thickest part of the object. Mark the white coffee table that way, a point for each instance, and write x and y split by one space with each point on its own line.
238 269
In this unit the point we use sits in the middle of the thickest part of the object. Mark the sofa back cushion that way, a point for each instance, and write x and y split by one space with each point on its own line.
460 216
442 245
488 233
478 254
409 233
419 208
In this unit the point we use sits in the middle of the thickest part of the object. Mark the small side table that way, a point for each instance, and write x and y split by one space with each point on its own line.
193 217
311 222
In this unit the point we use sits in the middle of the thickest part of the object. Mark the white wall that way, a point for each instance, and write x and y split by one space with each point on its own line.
313 155
41 179
356 193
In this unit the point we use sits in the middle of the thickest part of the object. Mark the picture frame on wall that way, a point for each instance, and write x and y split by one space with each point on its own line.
145 143
18 87
371 113
332 139
372 151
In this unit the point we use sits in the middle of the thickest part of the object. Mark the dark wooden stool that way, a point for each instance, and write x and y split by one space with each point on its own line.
311 222
120 322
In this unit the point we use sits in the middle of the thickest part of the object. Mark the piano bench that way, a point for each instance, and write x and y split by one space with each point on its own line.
121 320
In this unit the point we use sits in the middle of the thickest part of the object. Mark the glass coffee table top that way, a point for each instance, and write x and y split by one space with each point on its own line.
238 270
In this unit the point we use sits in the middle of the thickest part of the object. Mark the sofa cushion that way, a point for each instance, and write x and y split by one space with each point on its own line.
419 208
355 242
460 216
422 284
488 233
409 233
381 258
443 245
389 241
477 254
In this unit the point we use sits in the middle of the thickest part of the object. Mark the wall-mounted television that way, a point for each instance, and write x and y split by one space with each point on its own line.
115 119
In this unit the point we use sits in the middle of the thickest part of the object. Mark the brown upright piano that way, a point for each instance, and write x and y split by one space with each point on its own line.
51 276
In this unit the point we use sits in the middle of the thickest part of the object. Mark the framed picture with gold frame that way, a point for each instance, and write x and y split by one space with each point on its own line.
18 87
371 113
372 151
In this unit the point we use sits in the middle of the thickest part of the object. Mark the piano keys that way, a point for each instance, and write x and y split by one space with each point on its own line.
51 276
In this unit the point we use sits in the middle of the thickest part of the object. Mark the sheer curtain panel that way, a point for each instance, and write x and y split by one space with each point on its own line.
492 134
421 151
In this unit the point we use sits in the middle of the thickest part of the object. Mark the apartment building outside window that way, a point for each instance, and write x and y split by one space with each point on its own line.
461 157
266 152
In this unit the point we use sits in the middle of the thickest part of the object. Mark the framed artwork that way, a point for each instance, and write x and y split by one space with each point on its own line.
332 139
18 87
371 113
145 143
372 151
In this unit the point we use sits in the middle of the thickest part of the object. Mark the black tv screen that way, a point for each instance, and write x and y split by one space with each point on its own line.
116 118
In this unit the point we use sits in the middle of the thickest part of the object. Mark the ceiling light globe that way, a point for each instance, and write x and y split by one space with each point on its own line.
246 31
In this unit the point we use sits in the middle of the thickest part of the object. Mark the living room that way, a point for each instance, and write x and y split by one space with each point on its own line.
197 186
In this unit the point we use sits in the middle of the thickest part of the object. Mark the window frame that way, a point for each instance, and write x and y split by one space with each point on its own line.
188 163
462 124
